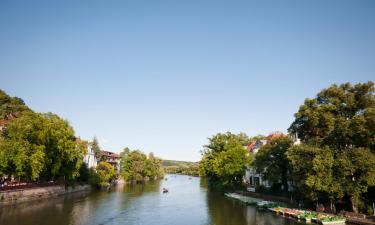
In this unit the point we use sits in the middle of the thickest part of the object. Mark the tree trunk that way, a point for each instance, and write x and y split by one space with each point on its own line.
333 207
354 205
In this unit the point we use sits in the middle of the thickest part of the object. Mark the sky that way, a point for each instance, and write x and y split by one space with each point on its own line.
163 76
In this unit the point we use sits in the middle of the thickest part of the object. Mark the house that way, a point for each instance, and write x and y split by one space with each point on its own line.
111 158
90 158
251 177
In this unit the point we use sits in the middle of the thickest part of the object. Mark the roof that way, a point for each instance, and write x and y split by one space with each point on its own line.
251 146
255 145
109 154
275 135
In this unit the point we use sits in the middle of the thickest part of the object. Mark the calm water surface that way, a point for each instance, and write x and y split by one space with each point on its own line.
189 202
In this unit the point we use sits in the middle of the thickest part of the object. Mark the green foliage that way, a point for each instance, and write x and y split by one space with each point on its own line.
225 158
181 167
40 146
167 163
136 166
314 171
357 170
339 117
10 105
102 175
84 173
95 147
339 126
271 161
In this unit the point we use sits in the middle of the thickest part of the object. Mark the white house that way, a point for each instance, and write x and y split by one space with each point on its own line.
251 177
90 158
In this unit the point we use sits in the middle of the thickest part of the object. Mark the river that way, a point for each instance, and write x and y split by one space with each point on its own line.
188 202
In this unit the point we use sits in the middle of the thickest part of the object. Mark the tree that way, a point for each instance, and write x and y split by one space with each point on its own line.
357 167
341 117
341 122
137 167
271 161
217 142
64 154
315 172
11 105
103 175
38 145
153 168
225 158
95 147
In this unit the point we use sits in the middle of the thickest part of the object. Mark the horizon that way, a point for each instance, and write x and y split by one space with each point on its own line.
164 77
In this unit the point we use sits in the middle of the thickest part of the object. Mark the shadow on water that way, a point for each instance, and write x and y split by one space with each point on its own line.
224 211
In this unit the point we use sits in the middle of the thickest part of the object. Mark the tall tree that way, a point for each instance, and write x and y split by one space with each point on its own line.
40 145
341 120
315 172
357 167
271 161
136 166
341 117
95 147
225 158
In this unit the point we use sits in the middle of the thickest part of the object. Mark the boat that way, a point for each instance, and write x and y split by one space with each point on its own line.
165 190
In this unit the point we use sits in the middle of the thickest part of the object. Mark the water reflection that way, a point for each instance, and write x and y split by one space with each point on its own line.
189 202
224 211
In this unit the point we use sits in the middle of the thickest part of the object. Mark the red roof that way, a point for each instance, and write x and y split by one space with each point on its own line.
251 146
275 135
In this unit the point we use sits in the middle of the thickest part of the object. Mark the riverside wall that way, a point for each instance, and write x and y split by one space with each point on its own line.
12 197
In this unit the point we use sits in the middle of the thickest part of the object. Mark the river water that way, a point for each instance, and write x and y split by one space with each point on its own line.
188 202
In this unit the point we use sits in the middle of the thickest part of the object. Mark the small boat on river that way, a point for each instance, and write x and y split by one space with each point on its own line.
165 190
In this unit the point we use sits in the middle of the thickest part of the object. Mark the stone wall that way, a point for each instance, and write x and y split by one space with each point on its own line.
24 195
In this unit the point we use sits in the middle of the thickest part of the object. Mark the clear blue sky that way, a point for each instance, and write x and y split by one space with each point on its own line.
163 76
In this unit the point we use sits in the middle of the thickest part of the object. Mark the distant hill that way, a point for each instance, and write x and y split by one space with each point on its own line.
167 163
181 167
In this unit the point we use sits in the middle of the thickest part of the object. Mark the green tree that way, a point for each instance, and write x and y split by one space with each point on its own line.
95 147
341 120
341 117
40 146
153 168
136 166
357 168
103 175
271 161
315 172
9 105
225 158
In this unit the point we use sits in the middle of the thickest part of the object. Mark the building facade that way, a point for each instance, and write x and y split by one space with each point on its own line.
90 158
111 158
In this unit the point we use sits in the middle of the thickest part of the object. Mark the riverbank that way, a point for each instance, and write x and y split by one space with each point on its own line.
273 198
11 197
352 218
